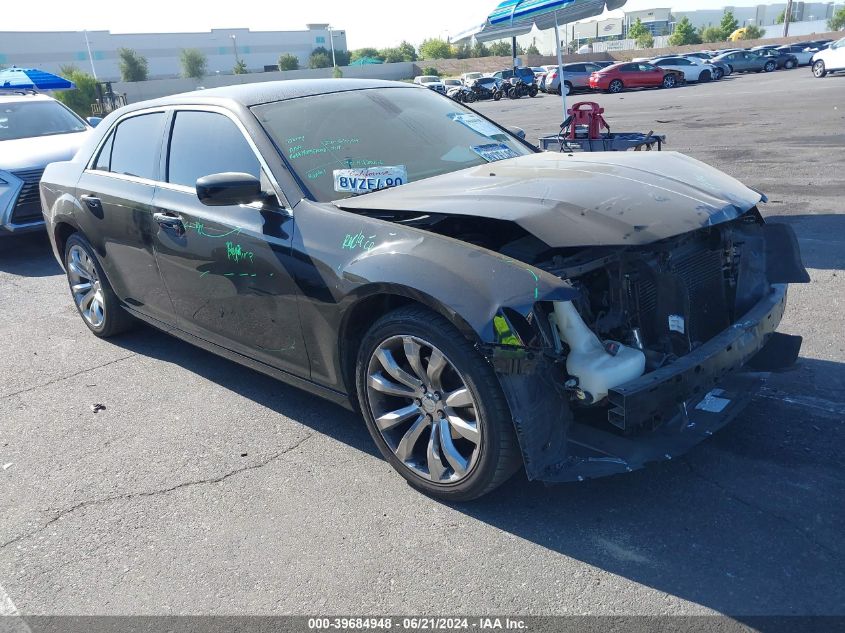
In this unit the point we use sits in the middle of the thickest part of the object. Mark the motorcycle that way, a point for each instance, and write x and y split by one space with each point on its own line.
518 88
487 88
462 94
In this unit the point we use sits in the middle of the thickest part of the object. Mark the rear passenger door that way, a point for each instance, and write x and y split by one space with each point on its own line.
116 191
227 268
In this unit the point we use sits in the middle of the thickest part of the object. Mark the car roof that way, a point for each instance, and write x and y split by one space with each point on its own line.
12 96
269 91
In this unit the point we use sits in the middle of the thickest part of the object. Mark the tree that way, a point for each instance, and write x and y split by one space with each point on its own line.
240 68
752 32
461 51
409 53
637 29
480 50
837 22
532 49
320 58
684 34
431 70
501 48
391 55
194 63
342 58
288 61
435 48
711 33
646 41
133 67
360 53
337 73
781 17
729 23
85 94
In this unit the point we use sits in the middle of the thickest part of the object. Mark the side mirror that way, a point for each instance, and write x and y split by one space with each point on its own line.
227 189
518 132
94 121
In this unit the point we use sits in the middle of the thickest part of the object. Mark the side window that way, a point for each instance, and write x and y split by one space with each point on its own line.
103 162
647 67
629 68
576 68
135 144
205 143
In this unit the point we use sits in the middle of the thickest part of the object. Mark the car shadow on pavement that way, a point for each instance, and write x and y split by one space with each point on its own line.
315 412
747 523
821 237
28 255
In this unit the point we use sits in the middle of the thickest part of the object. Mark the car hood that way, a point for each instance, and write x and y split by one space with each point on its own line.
39 151
587 199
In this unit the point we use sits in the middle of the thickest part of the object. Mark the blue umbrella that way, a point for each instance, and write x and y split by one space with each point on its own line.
32 79
518 17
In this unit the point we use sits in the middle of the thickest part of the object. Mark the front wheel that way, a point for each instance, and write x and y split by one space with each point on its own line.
95 300
770 67
434 406
532 91
471 98
819 70
718 74
497 95
669 81
705 76
616 86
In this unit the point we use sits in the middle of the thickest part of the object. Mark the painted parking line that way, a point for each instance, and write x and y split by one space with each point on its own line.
9 620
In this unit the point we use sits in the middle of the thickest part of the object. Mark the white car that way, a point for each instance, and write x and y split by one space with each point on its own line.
35 130
830 59
432 82
468 78
693 70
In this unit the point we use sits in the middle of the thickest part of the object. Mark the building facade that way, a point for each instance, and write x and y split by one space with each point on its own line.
222 47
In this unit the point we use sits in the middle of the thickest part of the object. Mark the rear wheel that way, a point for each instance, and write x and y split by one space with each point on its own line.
669 81
497 95
97 303
434 406
705 76
532 91
616 86
819 70
567 88
770 66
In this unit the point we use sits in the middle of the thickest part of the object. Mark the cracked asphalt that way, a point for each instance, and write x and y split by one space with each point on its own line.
205 488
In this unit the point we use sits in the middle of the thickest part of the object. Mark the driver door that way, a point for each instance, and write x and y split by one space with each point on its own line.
226 268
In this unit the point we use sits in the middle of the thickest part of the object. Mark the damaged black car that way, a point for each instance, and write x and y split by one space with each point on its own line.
486 306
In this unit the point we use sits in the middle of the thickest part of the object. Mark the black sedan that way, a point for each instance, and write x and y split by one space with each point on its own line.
782 58
484 305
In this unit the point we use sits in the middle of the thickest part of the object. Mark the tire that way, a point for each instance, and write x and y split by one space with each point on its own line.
91 291
567 88
770 66
669 81
789 65
413 446
471 98
616 86
718 73
705 76
819 69
532 91
497 96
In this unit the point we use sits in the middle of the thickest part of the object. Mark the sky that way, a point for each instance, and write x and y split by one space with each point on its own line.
377 23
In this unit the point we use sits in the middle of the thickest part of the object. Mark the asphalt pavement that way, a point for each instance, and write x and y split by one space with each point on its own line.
206 488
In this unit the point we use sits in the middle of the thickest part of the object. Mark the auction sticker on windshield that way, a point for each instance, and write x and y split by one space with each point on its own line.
494 151
369 178
475 123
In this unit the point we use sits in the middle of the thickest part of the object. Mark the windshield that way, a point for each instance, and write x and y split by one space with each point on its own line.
428 80
400 134
27 119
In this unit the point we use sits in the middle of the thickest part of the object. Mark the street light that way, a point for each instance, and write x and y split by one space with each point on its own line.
235 47
90 56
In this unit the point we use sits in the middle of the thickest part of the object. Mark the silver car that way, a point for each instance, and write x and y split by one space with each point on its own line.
35 130
576 76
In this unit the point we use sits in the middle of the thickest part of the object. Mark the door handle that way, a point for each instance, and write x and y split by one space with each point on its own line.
91 201
169 221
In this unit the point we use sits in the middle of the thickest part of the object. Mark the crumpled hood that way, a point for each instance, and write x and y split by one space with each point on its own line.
37 152
585 199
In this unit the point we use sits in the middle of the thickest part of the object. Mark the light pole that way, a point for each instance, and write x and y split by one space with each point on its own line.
90 56
235 47
331 41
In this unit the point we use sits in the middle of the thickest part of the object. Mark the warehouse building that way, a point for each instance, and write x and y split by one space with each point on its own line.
222 47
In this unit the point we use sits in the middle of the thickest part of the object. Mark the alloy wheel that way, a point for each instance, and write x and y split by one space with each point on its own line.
85 286
615 86
819 69
669 81
423 409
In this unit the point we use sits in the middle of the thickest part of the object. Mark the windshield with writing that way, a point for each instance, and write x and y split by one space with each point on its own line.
403 134
26 119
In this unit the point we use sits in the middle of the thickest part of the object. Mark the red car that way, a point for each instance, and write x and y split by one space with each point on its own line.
618 77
